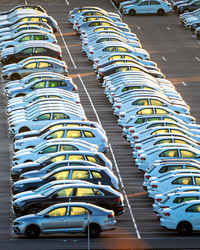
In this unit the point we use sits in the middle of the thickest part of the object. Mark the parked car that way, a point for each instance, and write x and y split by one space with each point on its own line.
34 225
101 195
23 6
78 170
34 65
185 7
147 6
39 36
88 134
30 48
187 219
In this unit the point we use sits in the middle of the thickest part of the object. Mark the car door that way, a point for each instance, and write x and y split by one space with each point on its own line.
55 220
44 66
193 212
153 6
63 195
77 219
87 194
142 7
41 120
29 68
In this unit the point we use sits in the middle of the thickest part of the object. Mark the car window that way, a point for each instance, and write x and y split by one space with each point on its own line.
141 102
161 111
85 192
187 154
163 141
72 125
130 88
169 168
50 149
160 131
44 65
105 24
58 158
183 181
94 24
57 134
91 158
74 134
96 175
146 111
193 209
180 141
27 51
197 180
43 117
67 148
40 50
44 20
31 66
175 131
53 84
78 211
39 85
191 167
184 199
135 69
197 4
76 157
143 3
110 49
25 38
122 49
66 192
156 103
59 116
114 58
56 126
61 211
169 153
154 3
80 175
88 134
58 166
63 175
39 98
35 19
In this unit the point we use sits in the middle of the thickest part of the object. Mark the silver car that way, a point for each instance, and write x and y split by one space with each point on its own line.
72 217
39 35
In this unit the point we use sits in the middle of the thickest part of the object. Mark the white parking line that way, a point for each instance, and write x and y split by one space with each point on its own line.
67 2
164 59
72 60
138 27
168 28
26 2
197 58
185 84
116 8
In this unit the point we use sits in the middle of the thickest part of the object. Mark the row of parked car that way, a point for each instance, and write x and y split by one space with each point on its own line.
191 21
60 175
154 117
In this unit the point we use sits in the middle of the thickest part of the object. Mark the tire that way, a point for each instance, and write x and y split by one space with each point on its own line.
32 232
34 210
184 228
24 129
15 76
95 231
28 161
161 12
132 12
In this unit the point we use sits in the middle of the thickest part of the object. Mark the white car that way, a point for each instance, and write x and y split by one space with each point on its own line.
147 6
52 146
170 152
173 181
174 199
183 217
91 135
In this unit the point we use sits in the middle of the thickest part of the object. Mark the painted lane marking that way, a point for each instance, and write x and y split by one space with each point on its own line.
116 8
185 84
164 59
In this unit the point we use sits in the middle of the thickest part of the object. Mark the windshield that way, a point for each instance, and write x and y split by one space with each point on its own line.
44 187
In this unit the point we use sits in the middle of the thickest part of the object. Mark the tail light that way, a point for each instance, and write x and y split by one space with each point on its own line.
131 131
58 54
148 176
72 16
122 116
111 216
78 27
138 147
96 61
64 67
101 73
91 52
76 23
143 158
118 107
164 206
127 127
74 89
77 102
154 186
83 33
117 199
135 137
54 42
158 199
139 154
166 214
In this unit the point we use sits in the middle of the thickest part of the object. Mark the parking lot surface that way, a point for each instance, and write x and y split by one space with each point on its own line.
176 52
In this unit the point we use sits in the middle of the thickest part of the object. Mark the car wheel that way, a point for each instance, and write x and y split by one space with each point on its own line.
184 228
95 231
21 94
28 161
24 129
15 77
34 210
160 12
132 12
32 232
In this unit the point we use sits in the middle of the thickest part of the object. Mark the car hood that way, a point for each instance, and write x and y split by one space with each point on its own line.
28 134
26 181
31 197
23 194
27 217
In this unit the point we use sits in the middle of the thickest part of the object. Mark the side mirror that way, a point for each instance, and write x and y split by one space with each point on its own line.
53 196
46 216
52 178
41 152
49 137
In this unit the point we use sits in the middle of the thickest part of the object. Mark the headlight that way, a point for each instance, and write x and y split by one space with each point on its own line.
19 143
17 170
20 204
19 185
